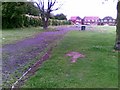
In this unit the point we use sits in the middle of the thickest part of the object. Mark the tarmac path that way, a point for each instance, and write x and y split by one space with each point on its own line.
16 56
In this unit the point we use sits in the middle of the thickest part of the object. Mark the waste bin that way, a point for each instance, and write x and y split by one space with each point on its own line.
83 27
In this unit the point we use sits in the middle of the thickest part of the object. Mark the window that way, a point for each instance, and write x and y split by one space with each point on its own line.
113 20
88 20
101 20
105 20
110 20
92 20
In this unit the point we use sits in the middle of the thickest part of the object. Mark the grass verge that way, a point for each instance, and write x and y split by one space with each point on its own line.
13 35
99 69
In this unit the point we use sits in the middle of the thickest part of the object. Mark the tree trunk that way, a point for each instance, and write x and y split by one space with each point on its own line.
117 43
46 21
45 24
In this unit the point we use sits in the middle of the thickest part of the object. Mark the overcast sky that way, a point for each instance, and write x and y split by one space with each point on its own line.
88 8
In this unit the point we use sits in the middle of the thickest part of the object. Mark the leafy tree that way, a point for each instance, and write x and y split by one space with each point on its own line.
60 17
12 14
31 9
13 9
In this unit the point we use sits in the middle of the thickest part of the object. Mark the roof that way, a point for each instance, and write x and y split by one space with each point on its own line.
108 17
91 18
75 18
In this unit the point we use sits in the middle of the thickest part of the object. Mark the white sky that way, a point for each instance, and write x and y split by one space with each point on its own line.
88 8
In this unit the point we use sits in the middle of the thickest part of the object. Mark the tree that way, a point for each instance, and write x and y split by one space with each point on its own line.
117 43
31 9
60 17
12 9
45 13
12 14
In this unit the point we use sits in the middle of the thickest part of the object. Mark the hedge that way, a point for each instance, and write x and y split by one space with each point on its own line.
25 21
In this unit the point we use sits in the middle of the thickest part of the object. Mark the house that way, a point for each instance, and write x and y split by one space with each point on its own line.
76 19
100 22
91 20
108 20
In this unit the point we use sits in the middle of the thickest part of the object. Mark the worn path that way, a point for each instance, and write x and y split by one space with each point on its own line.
16 56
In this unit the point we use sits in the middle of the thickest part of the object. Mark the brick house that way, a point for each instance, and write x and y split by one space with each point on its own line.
100 22
75 19
91 20
109 20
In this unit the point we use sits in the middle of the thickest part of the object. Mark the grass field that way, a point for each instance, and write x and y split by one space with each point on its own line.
99 68
12 35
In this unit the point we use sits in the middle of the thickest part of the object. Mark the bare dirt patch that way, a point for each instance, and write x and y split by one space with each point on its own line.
74 56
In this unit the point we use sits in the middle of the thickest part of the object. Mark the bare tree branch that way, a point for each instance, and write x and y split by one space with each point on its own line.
57 8
54 3
45 13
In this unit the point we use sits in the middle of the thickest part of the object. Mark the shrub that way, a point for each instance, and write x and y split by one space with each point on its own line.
27 21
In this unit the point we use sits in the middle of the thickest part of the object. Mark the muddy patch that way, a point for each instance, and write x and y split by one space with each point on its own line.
74 56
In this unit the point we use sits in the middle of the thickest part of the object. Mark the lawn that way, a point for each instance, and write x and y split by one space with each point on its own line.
13 35
98 69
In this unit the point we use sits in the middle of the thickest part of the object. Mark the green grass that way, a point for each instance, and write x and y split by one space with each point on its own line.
13 35
99 69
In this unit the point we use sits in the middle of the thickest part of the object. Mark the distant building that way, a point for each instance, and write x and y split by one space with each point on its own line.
75 19
100 22
91 20
108 20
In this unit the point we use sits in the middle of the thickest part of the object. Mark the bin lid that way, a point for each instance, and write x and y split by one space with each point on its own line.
83 25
